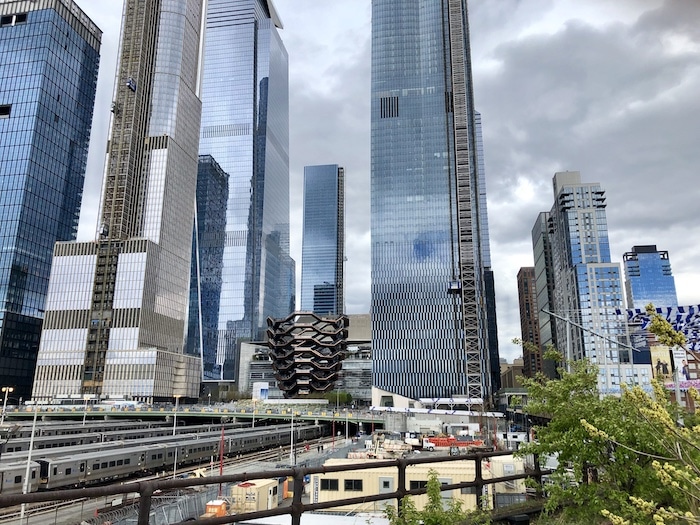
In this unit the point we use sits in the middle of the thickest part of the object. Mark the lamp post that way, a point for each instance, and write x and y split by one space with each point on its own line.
291 449
6 390
177 404
27 472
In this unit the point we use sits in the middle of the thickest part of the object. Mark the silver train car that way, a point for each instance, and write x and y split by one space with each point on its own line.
21 444
85 468
12 475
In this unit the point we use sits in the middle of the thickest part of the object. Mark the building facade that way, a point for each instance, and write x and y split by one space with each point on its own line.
529 322
117 307
648 277
207 266
50 57
429 327
587 285
323 240
245 127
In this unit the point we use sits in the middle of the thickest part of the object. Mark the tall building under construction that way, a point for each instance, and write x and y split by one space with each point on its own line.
117 306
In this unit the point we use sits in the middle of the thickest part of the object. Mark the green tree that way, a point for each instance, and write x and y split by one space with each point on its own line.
611 450
435 512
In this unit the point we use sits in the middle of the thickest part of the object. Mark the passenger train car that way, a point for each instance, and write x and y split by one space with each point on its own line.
84 468
20 444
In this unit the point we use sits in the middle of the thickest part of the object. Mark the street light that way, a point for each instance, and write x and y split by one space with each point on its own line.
6 390
177 404
27 472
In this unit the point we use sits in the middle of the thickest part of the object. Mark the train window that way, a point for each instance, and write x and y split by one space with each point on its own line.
170 454
112 463
127 461
153 457
82 467
69 471
55 471
160 456
18 479
103 465
33 474
120 462
96 466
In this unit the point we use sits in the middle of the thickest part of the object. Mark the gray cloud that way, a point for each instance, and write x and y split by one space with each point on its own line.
607 88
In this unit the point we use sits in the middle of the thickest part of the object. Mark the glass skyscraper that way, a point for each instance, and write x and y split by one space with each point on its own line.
49 57
648 278
428 218
323 240
116 307
587 285
245 128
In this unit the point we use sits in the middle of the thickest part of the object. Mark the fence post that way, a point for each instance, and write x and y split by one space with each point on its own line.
401 489
145 491
538 476
479 479
297 505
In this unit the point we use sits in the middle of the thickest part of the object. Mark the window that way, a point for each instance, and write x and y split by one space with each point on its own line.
417 485
329 484
103 465
353 485
5 110
69 471
96 466
82 467
18 479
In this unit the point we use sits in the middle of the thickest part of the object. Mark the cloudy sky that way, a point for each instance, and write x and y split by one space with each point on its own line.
611 89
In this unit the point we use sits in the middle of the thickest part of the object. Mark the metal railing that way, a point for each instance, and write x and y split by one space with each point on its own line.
146 489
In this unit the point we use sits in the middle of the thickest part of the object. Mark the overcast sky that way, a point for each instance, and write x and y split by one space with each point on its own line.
611 89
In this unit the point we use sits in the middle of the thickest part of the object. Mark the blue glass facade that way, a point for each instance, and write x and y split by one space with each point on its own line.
207 259
323 240
245 127
648 278
48 67
587 286
429 327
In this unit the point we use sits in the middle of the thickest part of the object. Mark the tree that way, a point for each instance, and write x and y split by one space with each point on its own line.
434 512
615 453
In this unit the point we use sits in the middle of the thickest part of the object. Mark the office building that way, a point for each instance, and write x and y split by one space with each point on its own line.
529 322
245 127
489 292
587 285
49 57
429 324
323 240
648 277
207 266
117 307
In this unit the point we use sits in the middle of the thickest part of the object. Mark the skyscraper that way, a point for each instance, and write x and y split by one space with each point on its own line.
116 307
207 261
428 222
587 285
529 321
245 127
323 240
544 287
49 59
648 277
